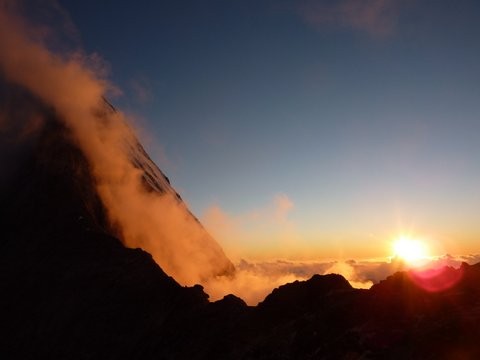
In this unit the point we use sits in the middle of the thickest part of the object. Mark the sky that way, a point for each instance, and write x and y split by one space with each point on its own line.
302 129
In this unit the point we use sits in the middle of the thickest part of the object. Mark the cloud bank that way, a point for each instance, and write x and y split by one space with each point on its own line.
253 281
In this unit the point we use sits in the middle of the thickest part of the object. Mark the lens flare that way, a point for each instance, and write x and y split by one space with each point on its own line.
437 280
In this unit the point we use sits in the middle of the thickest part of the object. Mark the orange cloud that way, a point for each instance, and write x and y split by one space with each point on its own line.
74 86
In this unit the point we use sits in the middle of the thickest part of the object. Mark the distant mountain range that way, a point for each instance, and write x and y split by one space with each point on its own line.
69 288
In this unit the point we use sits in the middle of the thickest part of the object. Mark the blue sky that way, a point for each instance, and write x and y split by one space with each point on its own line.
364 114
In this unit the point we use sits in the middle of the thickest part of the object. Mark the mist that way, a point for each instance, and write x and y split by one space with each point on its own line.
74 86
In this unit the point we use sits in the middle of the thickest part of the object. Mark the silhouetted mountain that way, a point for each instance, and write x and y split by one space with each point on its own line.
69 289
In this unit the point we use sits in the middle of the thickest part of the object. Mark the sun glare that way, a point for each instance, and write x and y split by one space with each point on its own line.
410 250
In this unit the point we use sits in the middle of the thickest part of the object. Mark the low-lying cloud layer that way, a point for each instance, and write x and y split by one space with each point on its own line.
255 280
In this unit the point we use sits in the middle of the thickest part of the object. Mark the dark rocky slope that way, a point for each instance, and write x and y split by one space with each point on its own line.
70 290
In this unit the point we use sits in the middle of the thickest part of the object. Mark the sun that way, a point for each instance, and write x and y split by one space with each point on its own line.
410 250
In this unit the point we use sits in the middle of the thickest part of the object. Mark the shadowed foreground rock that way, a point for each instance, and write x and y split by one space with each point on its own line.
70 290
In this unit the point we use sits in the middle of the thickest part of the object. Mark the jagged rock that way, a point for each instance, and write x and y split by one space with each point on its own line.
69 289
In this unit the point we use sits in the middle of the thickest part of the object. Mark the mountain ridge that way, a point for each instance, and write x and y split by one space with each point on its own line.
71 289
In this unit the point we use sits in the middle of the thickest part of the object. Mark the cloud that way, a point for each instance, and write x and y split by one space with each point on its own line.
249 285
348 271
73 85
253 281
251 232
378 18
469 259
141 90
283 205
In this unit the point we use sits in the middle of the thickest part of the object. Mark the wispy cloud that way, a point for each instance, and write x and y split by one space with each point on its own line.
141 90
378 18
268 226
